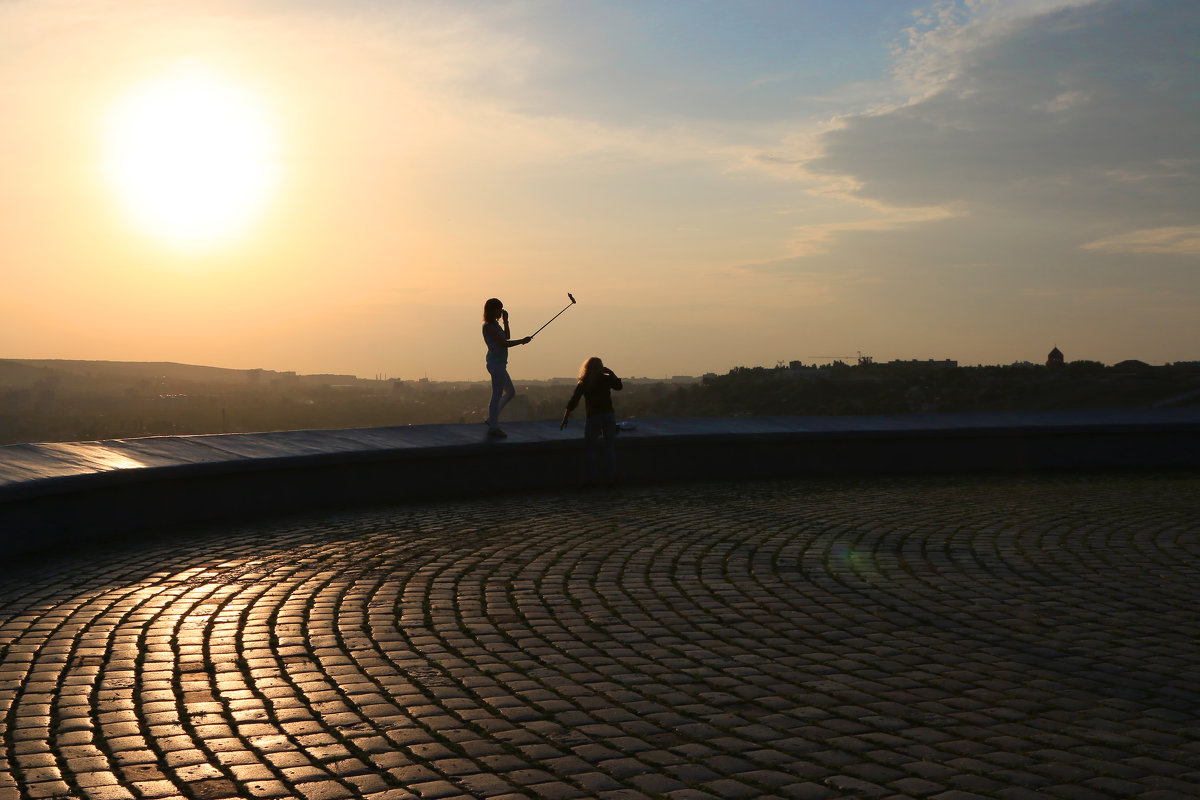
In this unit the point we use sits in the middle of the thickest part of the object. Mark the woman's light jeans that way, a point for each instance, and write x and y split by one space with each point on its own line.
502 391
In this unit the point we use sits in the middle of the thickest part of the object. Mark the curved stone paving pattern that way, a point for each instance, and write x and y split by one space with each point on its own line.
989 637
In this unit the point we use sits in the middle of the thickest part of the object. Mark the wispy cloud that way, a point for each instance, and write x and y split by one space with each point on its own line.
1176 240
819 238
1081 112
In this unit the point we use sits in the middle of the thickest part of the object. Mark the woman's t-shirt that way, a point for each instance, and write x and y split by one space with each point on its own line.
496 353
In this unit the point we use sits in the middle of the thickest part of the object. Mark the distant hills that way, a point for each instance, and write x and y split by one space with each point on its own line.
18 372
45 400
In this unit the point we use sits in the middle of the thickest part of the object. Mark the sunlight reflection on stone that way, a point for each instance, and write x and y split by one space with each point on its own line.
95 458
112 460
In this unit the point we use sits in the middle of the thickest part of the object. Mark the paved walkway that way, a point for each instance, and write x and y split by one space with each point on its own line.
995 637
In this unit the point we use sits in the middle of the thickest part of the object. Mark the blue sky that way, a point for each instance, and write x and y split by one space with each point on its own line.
749 63
719 183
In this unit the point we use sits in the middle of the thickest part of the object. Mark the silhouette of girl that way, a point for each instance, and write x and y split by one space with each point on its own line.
596 383
498 342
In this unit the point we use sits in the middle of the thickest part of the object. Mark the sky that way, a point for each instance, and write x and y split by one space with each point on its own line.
337 186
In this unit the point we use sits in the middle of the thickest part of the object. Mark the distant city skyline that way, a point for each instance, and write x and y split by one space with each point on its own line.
203 372
337 187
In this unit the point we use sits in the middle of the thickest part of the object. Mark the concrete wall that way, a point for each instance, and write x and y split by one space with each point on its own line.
54 510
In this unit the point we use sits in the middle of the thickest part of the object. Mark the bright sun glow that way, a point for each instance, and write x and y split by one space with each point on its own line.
192 157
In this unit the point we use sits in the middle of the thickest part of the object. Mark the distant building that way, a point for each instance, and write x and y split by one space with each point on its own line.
928 363
1055 359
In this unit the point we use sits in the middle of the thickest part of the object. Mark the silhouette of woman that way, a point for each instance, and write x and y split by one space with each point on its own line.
498 342
596 383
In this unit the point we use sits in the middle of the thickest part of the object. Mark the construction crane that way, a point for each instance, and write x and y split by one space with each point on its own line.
862 360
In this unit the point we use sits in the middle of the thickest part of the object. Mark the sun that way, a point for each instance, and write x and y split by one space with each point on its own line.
192 157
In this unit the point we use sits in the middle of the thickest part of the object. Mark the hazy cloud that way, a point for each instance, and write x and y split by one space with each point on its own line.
1087 111
818 238
1180 240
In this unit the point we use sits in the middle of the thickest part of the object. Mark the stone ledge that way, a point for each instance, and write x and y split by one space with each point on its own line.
53 494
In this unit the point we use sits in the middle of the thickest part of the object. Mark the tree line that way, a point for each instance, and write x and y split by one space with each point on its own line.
82 411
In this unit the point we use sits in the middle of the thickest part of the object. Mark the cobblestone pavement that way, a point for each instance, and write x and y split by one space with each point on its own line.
959 638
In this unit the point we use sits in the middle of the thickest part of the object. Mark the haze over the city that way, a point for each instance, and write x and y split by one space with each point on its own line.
337 187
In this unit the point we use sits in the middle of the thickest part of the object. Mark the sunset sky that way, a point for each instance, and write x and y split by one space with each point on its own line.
339 185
